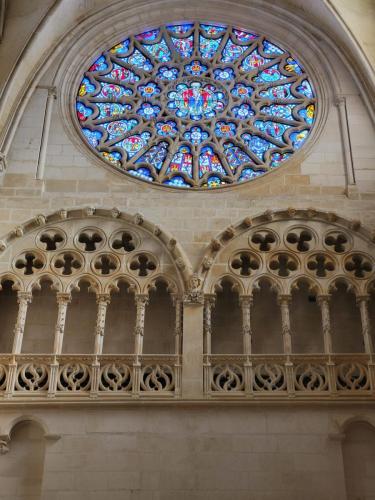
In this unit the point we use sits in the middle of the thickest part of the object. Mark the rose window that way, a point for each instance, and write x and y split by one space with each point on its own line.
196 106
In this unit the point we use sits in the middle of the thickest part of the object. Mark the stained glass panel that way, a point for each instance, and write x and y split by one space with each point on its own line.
195 105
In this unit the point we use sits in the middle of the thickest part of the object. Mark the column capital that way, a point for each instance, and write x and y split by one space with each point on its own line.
141 298
284 298
103 298
323 298
210 299
24 297
340 100
246 299
63 298
362 298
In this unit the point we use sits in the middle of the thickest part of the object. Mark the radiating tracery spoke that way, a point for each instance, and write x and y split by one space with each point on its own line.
195 105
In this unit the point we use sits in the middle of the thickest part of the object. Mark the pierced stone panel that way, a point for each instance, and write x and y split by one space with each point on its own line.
143 264
283 264
158 378
337 241
115 377
245 263
124 241
264 240
51 239
90 239
105 264
67 263
321 265
300 239
358 265
29 262
32 377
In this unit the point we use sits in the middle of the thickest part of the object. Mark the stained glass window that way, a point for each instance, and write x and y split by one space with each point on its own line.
194 105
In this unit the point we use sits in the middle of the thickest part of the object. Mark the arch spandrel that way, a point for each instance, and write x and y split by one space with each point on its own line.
289 245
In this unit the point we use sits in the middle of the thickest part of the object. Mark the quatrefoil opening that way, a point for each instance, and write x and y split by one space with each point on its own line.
67 263
358 265
283 264
245 263
143 264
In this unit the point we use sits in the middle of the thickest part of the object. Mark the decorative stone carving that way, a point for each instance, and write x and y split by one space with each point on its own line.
194 294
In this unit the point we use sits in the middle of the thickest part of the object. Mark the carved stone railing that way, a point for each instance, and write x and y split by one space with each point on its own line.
299 376
89 376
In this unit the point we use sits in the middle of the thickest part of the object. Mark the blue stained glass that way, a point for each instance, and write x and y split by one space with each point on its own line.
271 74
121 48
232 51
245 36
155 156
242 91
195 100
149 89
224 75
148 35
280 110
138 60
243 112
213 182
112 91
308 114
83 112
196 135
135 96
113 157
278 92
165 73
225 129
180 29
305 89
123 74
249 173
93 137
182 161
271 49
99 65
209 162
159 50
196 68
277 158
298 138
109 109
257 145
273 129
119 127
212 30
184 46
166 129
235 156
253 61
208 46
143 173
177 181
135 143
292 66
148 111
86 87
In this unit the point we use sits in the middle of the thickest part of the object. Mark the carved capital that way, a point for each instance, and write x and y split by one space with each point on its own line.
246 300
141 299
103 298
323 299
24 297
63 298
194 297
284 299
362 298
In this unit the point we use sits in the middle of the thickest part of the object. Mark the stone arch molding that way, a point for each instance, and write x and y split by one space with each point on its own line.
99 246
287 247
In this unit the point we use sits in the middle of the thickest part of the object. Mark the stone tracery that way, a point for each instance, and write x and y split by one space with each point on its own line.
195 105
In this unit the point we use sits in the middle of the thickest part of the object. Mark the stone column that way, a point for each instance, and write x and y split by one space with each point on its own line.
45 132
141 301
245 302
284 301
63 299
346 144
24 299
362 302
178 304
323 301
102 299
192 381
209 304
